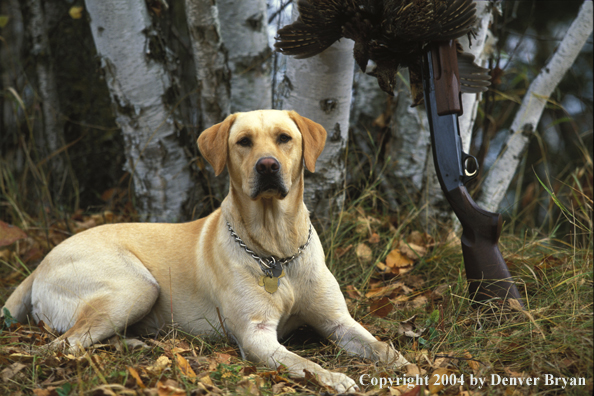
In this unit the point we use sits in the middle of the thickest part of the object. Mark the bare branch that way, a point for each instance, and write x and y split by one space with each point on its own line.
528 116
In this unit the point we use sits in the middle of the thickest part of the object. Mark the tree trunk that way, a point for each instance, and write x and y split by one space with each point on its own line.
210 59
527 118
52 138
11 58
470 103
212 74
410 141
132 59
244 30
321 89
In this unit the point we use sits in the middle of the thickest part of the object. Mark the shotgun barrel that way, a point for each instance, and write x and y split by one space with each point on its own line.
486 270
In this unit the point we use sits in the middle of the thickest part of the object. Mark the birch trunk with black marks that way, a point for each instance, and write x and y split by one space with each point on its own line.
52 138
210 59
321 90
244 29
526 120
139 85
212 75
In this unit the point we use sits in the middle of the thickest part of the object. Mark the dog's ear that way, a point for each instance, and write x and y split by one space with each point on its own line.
212 143
314 138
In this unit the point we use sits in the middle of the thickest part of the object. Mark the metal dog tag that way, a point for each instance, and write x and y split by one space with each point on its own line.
271 283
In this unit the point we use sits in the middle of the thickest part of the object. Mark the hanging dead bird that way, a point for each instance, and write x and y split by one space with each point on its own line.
392 33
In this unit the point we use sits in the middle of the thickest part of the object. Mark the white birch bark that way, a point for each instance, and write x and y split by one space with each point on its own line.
470 103
410 142
53 124
244 29
527 118
210 59
321 90
138 84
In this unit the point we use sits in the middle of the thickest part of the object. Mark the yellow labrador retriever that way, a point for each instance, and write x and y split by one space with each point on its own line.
257 261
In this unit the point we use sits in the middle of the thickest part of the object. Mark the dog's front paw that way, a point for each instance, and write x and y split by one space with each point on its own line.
340 382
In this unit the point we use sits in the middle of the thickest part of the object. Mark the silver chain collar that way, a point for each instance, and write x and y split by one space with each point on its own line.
269 265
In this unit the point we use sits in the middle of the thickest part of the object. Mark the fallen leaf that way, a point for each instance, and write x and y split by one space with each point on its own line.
223 358
409 329
353 292
396 259
412 370
160 364
250 386
514 374
418 302
452 239
11 371
247 370
439 291
390 290
417 238
9 234
374 238
278 388
474 365
436 380
136 377
51 391
413 392
339 251
414 281
443 361
169 388
412 250
381 308
185 368
364 252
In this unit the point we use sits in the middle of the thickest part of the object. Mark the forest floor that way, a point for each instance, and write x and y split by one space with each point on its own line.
406 287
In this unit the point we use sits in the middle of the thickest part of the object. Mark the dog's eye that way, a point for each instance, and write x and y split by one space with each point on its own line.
245 142
283 138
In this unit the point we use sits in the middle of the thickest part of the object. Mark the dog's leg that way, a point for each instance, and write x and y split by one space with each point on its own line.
93 300
331 318
356 340
104 317
260 345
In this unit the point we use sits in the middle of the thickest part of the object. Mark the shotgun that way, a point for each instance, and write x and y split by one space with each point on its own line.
486 271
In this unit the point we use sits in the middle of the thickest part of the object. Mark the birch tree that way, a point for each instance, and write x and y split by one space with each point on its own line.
244 31
320 89
212 74
52 138
210 59
139 86
526 120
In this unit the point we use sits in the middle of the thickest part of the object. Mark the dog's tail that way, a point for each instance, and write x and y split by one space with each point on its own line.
19 302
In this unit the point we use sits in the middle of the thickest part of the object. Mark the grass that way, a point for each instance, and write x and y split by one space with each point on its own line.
551 338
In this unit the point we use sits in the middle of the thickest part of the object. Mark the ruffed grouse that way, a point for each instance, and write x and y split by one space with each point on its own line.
392 33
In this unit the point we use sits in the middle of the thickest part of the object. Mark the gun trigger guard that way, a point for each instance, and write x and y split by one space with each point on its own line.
468 160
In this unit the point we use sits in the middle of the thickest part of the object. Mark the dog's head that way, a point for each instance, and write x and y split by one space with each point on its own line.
264 150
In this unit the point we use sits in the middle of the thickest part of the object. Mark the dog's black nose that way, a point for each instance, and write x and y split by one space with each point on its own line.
267 166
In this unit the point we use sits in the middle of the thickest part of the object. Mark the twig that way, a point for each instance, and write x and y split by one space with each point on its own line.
222 325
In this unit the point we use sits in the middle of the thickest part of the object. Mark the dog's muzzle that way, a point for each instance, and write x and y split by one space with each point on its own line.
269 178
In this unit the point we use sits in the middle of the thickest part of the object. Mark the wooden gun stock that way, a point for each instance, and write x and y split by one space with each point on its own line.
486 270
